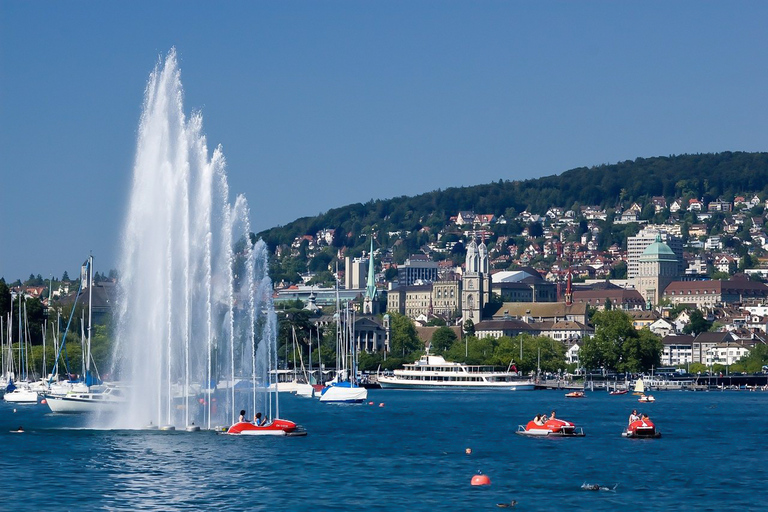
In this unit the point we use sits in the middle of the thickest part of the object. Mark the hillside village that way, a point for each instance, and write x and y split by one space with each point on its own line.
490 276
479 276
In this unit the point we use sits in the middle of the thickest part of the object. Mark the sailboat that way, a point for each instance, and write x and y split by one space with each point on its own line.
639 387
94 397
299 384
20 392
344 387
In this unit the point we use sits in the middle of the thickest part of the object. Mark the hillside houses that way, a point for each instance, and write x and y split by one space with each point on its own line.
592 244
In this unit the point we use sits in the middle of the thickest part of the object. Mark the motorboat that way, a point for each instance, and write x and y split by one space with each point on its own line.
642 428
575 394
552 427
108 399
646 398
434 372
276 427
618 392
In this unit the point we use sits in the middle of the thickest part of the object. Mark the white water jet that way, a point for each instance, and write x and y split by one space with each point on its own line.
195 325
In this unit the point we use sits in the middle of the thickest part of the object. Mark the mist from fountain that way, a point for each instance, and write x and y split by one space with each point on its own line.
195 325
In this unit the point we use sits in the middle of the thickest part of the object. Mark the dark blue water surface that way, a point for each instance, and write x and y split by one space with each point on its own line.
407 455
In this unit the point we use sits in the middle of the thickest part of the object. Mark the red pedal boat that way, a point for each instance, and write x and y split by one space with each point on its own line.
552 427
276 427
575 394
642 429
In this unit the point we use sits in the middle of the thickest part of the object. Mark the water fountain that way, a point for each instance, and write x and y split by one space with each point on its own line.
195 326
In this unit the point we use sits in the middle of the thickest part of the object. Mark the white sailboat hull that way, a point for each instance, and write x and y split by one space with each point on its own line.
21 396
342 394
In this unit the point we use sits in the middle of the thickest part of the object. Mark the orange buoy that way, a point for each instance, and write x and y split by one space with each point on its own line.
370 403
43 401
480 479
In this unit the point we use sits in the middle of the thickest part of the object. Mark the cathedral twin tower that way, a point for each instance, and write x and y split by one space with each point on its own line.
476 282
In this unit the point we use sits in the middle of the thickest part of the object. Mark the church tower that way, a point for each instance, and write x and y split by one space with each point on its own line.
476 287
370 304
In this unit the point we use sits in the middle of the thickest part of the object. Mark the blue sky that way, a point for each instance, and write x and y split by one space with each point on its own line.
322 104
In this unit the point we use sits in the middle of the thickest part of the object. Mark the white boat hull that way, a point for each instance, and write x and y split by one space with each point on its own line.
84 403
21 396
342 394
305 390
396 383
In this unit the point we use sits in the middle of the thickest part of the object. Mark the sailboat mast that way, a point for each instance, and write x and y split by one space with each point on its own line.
90 312
21 355
26 341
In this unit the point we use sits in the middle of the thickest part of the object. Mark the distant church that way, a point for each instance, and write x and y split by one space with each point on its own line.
476 282
371 305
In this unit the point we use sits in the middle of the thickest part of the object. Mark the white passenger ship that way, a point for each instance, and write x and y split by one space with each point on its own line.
434 372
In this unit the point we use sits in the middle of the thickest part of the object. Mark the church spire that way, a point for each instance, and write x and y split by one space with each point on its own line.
370 288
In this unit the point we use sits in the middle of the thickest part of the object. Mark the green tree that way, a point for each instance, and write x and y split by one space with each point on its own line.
641 352
617 345
469 327
619 271
754 361
442 339
403 338
5 299
698 323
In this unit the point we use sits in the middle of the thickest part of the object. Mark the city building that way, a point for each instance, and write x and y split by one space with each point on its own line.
657 267
636 246
707 294
354 272
417 268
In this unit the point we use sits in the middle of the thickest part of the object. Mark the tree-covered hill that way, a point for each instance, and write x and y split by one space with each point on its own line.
703 176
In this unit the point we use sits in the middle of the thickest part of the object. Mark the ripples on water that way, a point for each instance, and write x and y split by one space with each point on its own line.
407 455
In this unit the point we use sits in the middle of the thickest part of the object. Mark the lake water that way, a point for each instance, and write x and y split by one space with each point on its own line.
407 455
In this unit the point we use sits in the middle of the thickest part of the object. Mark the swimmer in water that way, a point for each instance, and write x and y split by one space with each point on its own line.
597 487
507 505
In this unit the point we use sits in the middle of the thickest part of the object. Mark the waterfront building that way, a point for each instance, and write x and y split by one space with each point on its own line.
707 341
678 350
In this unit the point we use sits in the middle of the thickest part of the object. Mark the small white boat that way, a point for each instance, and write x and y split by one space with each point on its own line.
107 400
21 396
646 398
344 392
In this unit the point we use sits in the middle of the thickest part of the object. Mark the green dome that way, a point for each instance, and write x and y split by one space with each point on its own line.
658 251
